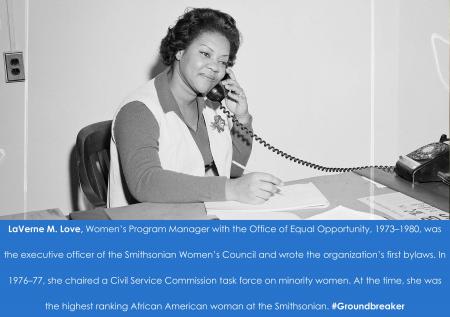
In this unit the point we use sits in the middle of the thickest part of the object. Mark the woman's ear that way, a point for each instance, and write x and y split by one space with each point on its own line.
179 54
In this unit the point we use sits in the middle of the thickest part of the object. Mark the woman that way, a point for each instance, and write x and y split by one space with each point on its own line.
169 143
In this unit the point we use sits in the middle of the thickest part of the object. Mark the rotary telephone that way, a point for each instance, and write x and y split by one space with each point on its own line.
422 165
429 163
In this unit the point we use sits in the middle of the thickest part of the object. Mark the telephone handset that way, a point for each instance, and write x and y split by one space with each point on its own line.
218 93
429 163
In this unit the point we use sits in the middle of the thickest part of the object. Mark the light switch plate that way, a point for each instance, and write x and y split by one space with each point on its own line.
14 68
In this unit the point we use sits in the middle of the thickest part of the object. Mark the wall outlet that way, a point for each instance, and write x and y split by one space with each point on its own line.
14 68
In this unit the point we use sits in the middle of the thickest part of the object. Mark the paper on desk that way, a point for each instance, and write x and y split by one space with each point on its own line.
403 207
344 213
292 197
254 215
378 185
158 211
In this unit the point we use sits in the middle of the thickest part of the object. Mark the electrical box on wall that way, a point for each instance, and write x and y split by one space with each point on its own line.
14 68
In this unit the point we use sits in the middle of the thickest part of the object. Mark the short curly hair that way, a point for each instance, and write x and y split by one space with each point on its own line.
193 23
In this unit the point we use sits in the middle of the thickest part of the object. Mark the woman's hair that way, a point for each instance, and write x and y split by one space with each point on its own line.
193 23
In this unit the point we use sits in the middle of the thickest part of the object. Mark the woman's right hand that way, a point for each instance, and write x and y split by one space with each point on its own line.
252 188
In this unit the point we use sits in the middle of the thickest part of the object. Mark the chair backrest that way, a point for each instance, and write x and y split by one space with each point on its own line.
93 161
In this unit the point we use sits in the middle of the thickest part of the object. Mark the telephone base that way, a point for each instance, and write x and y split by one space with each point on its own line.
422 172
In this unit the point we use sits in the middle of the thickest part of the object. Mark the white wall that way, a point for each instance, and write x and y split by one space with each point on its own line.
423 100
305 65
12 96
315 101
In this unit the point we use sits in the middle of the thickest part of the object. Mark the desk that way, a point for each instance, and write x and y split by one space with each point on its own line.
146 211
49 214
435 194
340 189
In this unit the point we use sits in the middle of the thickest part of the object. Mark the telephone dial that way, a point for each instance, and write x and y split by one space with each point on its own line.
426 164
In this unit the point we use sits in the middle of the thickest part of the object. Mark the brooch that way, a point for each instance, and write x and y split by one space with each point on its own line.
218 123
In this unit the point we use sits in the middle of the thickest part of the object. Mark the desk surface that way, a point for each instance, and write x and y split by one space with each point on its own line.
351 187
435 194
49 214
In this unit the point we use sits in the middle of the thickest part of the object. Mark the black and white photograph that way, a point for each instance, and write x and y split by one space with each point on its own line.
104 105
224 158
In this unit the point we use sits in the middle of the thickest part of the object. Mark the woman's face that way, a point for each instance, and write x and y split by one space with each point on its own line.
203 63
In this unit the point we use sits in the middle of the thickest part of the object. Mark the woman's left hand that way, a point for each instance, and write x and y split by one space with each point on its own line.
237 101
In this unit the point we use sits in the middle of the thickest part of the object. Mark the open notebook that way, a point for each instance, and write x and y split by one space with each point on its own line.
292 197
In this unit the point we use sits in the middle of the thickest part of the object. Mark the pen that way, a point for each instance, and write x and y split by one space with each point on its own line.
239 165
278 192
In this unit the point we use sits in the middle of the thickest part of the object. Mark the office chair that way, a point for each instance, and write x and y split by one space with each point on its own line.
93 157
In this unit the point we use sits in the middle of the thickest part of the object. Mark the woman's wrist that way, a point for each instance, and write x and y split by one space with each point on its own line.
229 190
244 118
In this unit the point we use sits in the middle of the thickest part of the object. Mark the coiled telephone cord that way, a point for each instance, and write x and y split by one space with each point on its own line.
389 169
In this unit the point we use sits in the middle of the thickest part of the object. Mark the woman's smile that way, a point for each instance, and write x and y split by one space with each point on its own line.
209 77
